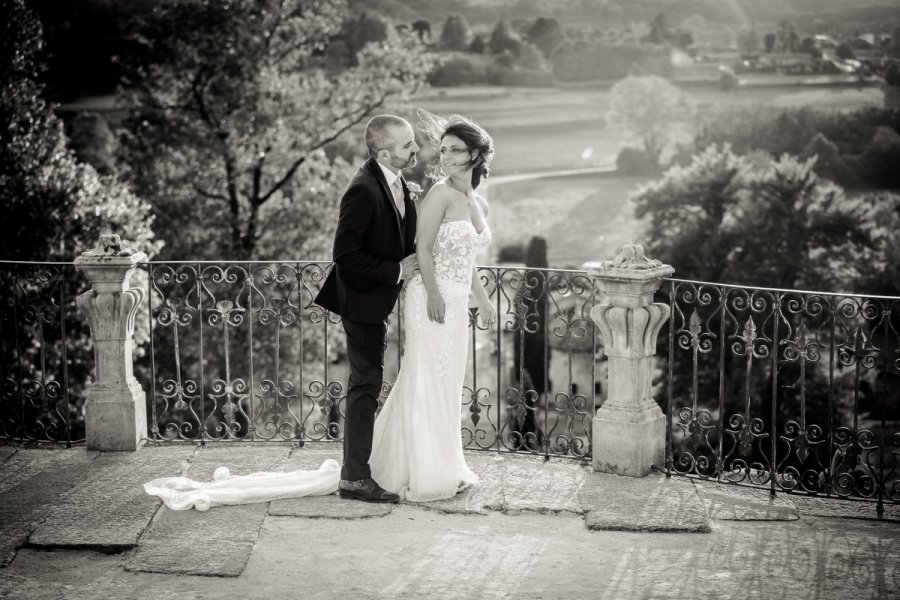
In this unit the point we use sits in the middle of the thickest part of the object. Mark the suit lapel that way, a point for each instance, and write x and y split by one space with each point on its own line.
388 195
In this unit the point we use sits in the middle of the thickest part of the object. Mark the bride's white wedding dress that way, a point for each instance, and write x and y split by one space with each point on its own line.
417 448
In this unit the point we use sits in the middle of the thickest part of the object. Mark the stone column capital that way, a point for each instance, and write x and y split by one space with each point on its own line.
629 279
109 266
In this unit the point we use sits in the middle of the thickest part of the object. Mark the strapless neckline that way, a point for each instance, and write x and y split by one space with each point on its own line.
470 223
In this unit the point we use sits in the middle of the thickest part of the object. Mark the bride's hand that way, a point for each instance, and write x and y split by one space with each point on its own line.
436 307
487 313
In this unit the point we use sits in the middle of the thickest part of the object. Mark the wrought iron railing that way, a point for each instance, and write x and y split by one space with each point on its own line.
790 390
44 353
239 352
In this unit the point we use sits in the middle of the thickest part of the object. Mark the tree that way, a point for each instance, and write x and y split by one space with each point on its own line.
685 40
365 29
659 30
748 42
504 39
892 87
775 224
531 344
787 36
530 57
477 46
43 187
654 110
456 33
423 30
54 208
93 141
224 120
894 48
769 42
844 52
547 35
808 46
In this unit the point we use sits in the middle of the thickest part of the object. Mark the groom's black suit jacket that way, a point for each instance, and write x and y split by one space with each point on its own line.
369 243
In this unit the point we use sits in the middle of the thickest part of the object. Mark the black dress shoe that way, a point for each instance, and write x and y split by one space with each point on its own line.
366 490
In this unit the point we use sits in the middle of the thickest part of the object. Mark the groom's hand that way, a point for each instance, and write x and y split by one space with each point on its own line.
408 267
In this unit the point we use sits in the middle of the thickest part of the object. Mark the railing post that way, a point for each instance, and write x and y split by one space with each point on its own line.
115 410
629 429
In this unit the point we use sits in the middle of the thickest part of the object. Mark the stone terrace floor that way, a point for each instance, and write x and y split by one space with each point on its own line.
76 524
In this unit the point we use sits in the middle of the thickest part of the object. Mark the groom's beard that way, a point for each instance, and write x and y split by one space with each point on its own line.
399 163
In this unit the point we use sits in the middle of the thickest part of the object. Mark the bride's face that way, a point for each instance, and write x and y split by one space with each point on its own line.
455 155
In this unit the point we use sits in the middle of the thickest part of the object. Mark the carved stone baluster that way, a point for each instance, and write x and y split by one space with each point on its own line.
629 429
115 410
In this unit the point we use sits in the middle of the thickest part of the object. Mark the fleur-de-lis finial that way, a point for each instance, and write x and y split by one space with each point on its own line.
749 333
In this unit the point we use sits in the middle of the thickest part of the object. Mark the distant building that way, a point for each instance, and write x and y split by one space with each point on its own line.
787 62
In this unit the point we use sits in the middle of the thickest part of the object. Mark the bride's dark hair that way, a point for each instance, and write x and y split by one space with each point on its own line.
436 128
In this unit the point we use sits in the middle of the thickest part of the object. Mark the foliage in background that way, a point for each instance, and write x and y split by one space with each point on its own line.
225 119
760 221
757 221
858 149
55 207
456 33
656 112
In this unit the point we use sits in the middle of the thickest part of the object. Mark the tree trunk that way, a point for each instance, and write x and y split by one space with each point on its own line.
892 97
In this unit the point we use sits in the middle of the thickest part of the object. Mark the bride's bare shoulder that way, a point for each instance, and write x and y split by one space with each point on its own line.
439 195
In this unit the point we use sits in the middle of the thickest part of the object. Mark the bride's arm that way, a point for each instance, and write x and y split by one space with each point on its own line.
428 221
481 295
483 301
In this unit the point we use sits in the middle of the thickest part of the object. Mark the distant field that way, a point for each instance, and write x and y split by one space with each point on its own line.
583 218
564 128
535 129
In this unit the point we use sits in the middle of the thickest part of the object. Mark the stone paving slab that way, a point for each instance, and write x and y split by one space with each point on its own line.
25 463
726 502
845 509
219 557
651 503
217 542
486 496
109 509
332 506
554 490
328 507
5 453
40 483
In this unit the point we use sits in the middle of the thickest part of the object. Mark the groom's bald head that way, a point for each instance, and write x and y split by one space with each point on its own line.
380 132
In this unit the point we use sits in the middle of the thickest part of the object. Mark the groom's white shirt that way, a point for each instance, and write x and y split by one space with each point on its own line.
390 177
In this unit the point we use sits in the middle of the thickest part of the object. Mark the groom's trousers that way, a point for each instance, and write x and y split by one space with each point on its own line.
365 351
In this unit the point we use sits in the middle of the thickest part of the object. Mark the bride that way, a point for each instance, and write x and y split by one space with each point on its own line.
416 447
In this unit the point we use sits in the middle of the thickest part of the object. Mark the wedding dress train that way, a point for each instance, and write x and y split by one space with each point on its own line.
417 449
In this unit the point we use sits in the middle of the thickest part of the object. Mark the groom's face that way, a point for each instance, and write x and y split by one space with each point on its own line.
404 148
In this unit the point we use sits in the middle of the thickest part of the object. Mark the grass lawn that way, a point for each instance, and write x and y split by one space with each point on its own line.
583 218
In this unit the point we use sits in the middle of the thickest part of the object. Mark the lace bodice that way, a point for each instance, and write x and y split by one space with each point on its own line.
455 247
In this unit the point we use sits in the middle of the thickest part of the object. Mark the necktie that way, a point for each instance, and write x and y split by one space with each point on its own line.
397 189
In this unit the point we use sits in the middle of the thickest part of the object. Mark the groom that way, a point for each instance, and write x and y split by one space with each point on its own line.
374 251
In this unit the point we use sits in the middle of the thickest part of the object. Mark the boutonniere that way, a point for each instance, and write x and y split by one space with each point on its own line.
414 190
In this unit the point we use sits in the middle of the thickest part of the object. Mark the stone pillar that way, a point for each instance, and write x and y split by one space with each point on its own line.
115 412
629 430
